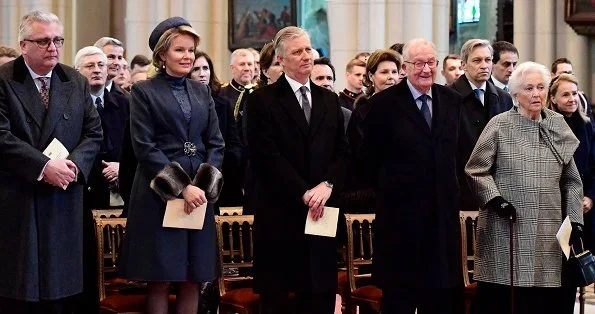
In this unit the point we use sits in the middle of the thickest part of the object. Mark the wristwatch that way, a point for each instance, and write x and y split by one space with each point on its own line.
328 184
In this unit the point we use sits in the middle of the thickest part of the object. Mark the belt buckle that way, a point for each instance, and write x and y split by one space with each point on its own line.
189 149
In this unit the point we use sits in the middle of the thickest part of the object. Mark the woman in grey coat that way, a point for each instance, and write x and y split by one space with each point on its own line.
522 172
174 129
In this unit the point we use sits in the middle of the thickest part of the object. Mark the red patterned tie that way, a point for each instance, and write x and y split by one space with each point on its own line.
44 91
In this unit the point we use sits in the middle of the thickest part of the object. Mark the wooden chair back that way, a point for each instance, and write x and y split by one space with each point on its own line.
109 234
231 211
468 221
360 249
235 246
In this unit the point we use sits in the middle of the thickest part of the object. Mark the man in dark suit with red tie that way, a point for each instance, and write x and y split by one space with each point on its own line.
298 152
409 149
41 200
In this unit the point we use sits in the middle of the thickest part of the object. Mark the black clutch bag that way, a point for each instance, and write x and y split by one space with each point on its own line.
581 267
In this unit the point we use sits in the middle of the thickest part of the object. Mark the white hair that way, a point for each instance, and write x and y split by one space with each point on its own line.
240 53
417 42
86 52
518 76
39 17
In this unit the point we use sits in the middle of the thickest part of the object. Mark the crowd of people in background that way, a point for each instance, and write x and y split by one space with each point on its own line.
514 141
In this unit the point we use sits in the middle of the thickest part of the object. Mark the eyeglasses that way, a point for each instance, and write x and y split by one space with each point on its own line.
44 43
432 64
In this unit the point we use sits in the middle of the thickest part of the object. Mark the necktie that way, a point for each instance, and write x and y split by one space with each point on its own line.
44 91
478 94
306 103
506 89
99 105
425 109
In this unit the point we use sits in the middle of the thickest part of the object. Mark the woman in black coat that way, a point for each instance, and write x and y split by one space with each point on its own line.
382 72
563 98
204 72
174 129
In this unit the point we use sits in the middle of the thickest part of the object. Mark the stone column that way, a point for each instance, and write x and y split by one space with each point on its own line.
524 28
545 34
344 20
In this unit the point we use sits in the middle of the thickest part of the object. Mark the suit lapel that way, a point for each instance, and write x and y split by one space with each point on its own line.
439 111
173 114
410 107
491 99
107 119
60 88
318 109
26 91
290 104
196 111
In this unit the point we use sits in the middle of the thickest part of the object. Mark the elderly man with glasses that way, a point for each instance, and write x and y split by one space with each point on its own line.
409 149
41 206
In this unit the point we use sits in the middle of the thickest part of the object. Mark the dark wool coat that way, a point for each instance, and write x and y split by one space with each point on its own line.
114 117
413 168
42 232
288 157
159 131
474 117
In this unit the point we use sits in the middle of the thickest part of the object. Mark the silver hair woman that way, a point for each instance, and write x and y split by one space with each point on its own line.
522 171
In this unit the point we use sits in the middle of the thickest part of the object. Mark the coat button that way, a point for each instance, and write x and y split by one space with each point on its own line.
29 120
66 116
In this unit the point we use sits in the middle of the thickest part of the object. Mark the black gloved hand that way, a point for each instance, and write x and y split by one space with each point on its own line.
575 237
502 207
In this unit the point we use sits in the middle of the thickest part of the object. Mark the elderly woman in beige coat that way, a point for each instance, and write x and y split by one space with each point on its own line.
522 172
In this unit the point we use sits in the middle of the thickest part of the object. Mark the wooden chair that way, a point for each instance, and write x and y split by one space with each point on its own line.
107 213
360 235
231 211
468 223
111 231
235 242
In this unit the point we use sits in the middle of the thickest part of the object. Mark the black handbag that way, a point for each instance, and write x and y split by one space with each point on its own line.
582 267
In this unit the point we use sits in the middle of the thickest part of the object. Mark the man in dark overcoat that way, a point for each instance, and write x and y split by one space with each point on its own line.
298 152
482 100
103 179
41 203
409 149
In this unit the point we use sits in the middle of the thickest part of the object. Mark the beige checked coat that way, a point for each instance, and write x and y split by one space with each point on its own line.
530 164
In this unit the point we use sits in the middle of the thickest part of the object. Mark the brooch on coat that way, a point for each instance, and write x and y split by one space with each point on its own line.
189 149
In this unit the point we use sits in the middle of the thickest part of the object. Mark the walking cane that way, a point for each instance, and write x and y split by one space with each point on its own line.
510 227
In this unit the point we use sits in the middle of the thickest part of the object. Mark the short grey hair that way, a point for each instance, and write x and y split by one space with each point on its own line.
285 34
242 52
106 41
417 42
520 74
86 52
39 17
471 44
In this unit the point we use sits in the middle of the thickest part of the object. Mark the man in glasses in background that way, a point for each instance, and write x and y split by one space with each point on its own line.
409 147
41 204
482 100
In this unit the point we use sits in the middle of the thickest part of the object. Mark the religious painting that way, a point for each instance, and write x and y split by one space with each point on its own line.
580 15
252 23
